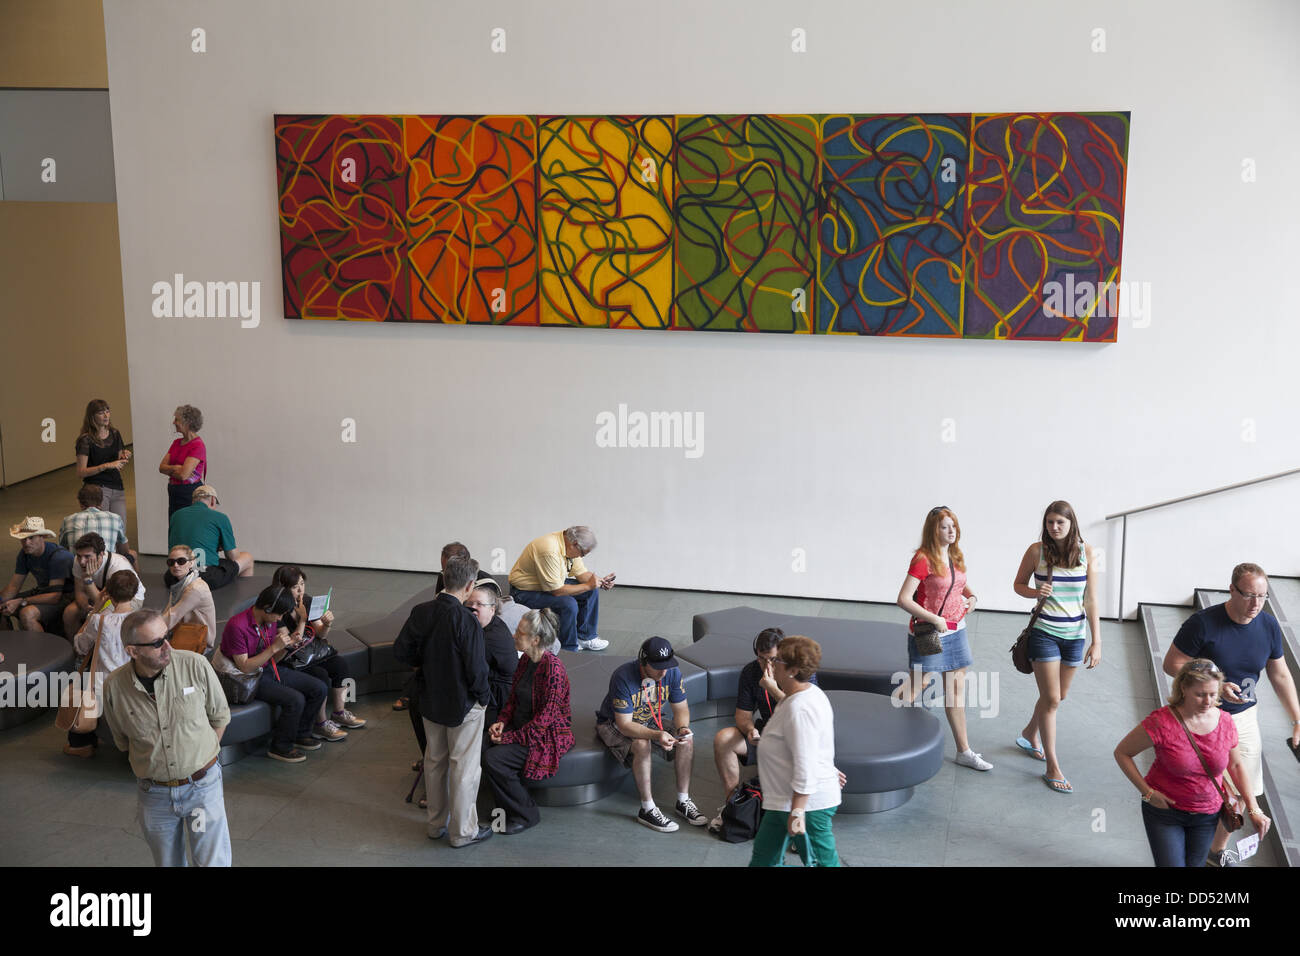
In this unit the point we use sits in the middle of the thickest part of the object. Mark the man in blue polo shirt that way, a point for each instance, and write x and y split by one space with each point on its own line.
1241 642
632 723
51 567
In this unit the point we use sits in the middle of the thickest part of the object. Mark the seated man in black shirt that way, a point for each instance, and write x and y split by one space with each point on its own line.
756 697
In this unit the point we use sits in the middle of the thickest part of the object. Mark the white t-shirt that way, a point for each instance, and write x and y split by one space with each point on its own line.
117 562
107 626
796 752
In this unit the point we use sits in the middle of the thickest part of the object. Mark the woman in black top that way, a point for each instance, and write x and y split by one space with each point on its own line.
101 456
333 671
498 643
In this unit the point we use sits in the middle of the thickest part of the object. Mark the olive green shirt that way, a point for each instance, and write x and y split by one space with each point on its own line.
174 736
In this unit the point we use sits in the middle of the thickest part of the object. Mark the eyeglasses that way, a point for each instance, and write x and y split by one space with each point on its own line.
1251 597
154 645
477 604
172 562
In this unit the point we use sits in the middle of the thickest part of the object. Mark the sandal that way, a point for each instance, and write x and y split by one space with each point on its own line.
418 766
1058 785
401 703
1030 749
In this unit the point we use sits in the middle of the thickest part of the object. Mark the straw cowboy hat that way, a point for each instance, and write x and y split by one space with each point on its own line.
29 528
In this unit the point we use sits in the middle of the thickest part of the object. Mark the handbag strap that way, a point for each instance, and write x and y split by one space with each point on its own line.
1204 766
89 662
1038 608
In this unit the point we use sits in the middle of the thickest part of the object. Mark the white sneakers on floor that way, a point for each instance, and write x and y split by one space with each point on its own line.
973 760
595 644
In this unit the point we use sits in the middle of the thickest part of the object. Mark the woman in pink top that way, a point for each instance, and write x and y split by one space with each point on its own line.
1180 801
935 592
186 462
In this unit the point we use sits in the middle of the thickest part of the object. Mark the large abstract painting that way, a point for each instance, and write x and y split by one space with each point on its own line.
928 225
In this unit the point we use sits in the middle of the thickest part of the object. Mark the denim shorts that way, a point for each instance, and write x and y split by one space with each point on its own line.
1045 647
956 653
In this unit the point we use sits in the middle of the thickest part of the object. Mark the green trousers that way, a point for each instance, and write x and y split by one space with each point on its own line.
772 838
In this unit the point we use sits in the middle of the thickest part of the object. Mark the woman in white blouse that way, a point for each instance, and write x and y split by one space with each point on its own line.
106 628
796 763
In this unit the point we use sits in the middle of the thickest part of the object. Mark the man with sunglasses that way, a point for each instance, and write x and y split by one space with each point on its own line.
1242 642
167 710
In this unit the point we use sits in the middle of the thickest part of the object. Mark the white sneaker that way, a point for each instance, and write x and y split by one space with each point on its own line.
973 760
595 644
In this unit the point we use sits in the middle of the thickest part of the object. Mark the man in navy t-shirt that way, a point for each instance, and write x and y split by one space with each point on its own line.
634 725
1242 643
50 565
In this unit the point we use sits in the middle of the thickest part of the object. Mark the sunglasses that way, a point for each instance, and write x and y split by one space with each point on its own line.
939 510
154 645
172 562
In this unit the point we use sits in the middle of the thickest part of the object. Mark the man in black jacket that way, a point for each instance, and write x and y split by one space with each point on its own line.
446 641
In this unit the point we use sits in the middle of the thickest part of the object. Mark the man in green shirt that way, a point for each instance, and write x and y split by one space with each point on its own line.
167 710
208 532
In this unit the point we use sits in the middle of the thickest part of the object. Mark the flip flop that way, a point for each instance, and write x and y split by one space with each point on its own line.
1029 748
1058 786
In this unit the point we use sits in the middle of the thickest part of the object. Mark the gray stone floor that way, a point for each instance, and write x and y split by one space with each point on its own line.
344 805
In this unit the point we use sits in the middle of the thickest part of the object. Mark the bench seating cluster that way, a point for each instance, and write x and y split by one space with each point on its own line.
885 751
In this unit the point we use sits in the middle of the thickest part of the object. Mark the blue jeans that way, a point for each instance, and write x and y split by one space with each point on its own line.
1045 647
578 613
299 696
194 812
1178 837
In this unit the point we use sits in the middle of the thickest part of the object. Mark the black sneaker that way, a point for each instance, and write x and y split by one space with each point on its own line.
688 811
288 756
1222 858
307 743
655 820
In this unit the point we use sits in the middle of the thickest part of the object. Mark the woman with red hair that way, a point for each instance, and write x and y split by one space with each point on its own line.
937 597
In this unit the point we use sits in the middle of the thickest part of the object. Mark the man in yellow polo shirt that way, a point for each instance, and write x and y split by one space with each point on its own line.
550 573
167 709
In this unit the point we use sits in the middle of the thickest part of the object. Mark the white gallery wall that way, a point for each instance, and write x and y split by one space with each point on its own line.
819 456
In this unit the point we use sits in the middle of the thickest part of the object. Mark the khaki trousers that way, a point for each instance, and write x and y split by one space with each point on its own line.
451 776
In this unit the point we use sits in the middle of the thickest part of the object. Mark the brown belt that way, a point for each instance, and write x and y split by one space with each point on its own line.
195 777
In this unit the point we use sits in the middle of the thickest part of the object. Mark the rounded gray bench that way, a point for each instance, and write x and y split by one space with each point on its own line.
43 658
885 751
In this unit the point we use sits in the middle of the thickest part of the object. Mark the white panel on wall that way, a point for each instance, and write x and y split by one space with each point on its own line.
835 447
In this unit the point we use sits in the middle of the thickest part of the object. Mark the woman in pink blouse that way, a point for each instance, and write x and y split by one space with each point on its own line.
186 462
1180 801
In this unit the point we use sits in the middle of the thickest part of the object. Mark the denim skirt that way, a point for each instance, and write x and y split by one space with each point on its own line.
955 653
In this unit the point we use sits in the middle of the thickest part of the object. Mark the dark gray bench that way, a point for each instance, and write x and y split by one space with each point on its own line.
885 751
37 658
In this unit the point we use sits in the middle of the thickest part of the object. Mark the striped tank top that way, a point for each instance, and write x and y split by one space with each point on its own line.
1062 614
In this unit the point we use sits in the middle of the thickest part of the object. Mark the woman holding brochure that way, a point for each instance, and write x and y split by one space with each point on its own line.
331 669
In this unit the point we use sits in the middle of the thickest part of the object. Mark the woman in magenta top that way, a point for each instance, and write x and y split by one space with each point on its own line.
186 462
935 592
1180 801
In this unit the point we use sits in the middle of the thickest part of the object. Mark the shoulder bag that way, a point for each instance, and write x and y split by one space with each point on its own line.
78 708
240 688
928 639
1020 649
313 651
1230 810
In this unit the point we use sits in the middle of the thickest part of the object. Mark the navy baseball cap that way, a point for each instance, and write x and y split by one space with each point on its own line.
658 653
